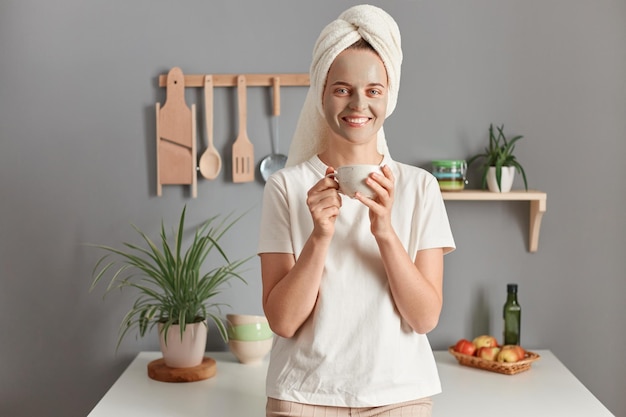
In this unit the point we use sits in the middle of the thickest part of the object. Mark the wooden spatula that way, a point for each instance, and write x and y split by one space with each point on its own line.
243 149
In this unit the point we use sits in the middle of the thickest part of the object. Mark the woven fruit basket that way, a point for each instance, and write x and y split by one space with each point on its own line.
494 366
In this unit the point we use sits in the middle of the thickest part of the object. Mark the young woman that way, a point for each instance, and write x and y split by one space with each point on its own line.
352 286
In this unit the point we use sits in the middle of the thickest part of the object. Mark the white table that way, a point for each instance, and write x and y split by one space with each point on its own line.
548 389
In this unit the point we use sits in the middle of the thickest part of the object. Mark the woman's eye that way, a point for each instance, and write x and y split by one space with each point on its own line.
374 92
341 91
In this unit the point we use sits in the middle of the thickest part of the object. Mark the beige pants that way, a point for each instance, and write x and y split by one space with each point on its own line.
417 408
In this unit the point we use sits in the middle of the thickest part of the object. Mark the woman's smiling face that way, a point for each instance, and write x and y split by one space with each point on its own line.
355 96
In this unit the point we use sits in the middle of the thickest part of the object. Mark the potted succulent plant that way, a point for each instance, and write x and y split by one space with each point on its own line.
174 294
499 164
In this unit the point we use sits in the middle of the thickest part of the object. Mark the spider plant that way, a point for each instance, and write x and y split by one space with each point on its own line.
172 290
499 153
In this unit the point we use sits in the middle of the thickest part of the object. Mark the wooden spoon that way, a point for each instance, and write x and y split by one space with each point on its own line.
210 162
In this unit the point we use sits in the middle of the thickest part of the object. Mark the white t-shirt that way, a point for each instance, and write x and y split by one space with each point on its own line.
354 350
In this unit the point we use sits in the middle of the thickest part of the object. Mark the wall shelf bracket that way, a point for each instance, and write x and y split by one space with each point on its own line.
536 198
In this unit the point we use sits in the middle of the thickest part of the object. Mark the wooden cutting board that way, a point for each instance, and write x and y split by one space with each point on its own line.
158 371
176 136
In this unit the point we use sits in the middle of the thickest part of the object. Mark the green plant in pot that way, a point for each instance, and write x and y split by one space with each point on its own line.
174 293
499 159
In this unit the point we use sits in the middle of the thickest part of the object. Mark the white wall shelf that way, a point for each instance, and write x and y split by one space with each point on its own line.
536 198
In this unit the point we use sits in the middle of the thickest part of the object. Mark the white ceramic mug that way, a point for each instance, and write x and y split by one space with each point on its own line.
351 178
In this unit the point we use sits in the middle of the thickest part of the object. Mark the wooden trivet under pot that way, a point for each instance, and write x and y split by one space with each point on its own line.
158 371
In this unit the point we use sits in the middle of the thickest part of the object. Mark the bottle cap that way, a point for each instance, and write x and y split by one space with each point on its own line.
511 287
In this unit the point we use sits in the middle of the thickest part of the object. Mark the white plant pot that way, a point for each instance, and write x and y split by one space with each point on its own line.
506 181
186 353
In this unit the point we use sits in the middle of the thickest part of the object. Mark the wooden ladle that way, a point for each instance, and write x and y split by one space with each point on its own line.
210 163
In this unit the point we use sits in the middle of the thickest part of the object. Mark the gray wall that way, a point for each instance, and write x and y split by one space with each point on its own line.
77 160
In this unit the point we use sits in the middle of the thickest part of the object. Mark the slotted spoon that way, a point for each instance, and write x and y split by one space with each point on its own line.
243 149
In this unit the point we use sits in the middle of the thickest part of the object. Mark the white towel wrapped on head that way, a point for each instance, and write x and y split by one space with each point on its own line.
366 22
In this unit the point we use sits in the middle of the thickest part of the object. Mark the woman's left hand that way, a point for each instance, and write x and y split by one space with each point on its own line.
380 207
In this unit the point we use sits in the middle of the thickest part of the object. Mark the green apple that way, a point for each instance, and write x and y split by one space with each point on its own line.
485 341
511 353
489 353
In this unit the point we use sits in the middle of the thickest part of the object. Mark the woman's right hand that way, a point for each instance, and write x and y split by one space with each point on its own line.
324 202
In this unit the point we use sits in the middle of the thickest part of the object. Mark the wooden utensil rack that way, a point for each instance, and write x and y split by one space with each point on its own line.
178 148
252 80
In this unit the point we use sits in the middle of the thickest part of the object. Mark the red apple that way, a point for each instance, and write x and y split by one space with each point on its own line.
488 352
485 341
465 347
511 353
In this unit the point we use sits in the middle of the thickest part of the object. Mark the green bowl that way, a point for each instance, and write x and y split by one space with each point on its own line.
250 332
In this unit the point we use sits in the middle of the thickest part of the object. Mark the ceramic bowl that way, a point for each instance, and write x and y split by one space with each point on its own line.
238 319
250 352
248 328
249 332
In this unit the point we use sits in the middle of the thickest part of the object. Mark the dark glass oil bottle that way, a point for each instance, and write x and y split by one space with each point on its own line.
512 316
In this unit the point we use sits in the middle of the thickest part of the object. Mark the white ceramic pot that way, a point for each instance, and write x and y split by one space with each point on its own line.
189 351
506 180
251 351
